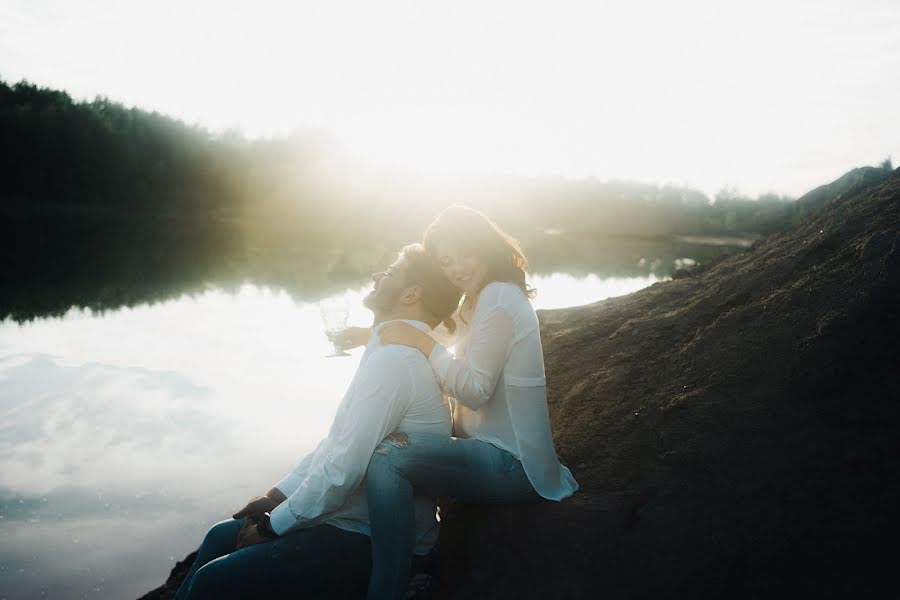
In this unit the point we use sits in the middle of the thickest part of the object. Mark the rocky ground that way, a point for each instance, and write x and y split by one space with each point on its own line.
735 430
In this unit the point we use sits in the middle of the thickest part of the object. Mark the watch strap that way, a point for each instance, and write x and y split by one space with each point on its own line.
264 526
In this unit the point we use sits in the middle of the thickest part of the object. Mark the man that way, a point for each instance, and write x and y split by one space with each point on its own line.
309 535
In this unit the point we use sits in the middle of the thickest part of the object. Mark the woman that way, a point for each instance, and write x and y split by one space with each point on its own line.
503 450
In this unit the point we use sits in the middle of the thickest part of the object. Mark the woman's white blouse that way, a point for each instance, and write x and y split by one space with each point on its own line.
496 381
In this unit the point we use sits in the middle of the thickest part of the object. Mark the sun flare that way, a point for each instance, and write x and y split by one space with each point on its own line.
754 96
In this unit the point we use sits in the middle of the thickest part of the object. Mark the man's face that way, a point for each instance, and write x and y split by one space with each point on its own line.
389 285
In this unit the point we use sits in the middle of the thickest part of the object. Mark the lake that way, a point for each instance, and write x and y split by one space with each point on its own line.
126 433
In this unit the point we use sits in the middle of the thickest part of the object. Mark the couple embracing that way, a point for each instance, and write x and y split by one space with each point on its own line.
361 506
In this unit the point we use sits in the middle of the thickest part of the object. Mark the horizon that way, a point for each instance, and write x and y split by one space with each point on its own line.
762 99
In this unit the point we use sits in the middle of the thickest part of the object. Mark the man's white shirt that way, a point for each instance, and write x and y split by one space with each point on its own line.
394 389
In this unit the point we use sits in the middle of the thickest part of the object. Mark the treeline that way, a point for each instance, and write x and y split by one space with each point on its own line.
62 156
95 195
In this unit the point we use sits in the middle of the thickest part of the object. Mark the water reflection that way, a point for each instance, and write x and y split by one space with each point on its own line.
560 290
125 434
84 268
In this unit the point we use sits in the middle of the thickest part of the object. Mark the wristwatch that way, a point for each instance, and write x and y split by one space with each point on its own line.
264 526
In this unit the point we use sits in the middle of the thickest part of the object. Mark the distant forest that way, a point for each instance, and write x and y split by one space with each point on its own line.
94 192
62 156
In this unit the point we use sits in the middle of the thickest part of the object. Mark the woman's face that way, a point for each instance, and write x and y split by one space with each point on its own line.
465 271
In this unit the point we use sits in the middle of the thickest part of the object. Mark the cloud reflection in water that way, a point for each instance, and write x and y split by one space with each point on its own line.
124 435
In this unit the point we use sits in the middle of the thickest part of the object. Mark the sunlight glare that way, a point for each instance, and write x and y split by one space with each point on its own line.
561 290
687 93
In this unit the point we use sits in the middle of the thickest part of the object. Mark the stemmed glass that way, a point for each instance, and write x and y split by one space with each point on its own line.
335 312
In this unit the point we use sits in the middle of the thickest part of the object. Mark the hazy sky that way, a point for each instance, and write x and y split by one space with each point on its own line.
764 95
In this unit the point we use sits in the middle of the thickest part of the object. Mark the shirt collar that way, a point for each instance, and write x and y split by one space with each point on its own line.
375 341
417 324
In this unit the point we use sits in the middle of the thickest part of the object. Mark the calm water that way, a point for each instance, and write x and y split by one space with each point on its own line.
126 434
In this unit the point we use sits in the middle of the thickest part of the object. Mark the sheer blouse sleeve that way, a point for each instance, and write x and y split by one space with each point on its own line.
472 380
443 336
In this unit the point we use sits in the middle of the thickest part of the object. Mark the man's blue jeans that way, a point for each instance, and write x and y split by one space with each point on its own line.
431 465
319 562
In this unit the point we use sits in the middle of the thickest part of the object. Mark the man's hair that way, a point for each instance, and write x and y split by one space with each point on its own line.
440 298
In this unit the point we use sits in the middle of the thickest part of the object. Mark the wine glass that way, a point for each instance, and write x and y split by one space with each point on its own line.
335 312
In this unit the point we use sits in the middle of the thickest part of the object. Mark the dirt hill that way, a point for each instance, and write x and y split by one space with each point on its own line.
735 430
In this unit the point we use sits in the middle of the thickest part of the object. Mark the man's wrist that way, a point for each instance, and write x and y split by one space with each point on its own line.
264 527
276 496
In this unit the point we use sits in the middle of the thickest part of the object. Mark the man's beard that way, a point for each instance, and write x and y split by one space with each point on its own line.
379 303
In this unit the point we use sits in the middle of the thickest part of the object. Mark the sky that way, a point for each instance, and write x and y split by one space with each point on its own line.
763 96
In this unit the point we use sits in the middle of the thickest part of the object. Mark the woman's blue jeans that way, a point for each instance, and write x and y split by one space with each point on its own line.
318 562
431 465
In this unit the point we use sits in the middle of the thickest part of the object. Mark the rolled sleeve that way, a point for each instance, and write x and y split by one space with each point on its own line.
282 519
290 482
373 408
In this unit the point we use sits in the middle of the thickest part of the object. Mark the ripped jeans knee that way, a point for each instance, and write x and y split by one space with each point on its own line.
394 440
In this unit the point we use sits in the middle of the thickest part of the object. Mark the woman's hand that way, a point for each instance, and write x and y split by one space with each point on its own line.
351 337
397 332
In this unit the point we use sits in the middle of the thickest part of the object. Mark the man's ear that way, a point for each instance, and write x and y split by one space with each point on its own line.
411 295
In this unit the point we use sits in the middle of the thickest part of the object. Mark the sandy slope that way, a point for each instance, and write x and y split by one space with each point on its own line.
735 431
